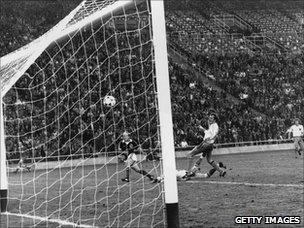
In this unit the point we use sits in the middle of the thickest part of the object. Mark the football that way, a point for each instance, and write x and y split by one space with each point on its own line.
109 101
180 174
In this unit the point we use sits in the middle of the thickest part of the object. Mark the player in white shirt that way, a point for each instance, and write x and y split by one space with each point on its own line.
205 148
297 132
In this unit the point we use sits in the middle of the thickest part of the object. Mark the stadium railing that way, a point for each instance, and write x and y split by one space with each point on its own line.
146 151
241 144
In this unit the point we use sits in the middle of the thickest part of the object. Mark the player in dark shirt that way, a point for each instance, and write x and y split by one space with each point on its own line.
127 153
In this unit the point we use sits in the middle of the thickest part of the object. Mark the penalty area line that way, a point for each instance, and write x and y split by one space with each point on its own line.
248 184
44 219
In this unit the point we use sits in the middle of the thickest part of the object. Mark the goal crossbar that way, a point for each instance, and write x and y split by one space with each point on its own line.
33 50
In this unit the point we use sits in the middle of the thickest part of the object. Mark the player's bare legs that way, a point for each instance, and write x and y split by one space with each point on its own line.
129 162
206 150
196 150
197 164
213 170
127 178
196 174
136 168
299 145
215 165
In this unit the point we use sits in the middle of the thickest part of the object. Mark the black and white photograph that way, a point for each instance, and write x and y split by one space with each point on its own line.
152 113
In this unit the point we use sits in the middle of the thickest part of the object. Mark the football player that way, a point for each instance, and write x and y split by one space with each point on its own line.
206 147
297 132
181 175
22 166
127 154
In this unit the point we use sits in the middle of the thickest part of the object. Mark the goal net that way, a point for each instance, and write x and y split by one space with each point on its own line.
61 140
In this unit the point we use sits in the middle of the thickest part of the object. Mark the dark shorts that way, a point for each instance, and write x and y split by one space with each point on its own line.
299 144
203 148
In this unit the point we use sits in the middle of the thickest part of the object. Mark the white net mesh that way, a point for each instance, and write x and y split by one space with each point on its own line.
88 8
56 121
8 70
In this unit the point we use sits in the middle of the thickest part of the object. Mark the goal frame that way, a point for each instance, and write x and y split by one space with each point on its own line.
3 174
164 106
165 112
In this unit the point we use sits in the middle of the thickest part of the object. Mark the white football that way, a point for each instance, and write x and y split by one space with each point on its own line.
180 174
109 101
160 179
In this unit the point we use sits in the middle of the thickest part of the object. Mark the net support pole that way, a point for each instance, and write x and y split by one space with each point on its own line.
3 174
165 113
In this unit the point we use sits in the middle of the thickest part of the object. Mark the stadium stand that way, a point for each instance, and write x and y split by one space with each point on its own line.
24 21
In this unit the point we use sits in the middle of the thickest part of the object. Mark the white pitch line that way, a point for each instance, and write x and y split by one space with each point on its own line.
202 182
61 222
248 184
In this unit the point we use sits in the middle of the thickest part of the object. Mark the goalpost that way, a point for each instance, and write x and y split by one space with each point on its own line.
54 118
3 175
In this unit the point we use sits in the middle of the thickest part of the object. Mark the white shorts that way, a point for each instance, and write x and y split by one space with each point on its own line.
131 160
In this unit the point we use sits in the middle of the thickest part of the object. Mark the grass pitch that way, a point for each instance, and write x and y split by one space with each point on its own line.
257 184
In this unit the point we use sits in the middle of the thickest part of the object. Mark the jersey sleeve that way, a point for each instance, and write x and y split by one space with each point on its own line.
289 130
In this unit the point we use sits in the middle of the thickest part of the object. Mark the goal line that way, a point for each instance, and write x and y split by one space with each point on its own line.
44 219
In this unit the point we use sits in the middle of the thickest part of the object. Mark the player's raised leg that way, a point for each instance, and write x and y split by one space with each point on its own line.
136 168
196 150
213 170
205 148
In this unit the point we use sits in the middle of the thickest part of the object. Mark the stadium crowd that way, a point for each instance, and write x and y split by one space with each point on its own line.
260 80
56 107
23 21
192 100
